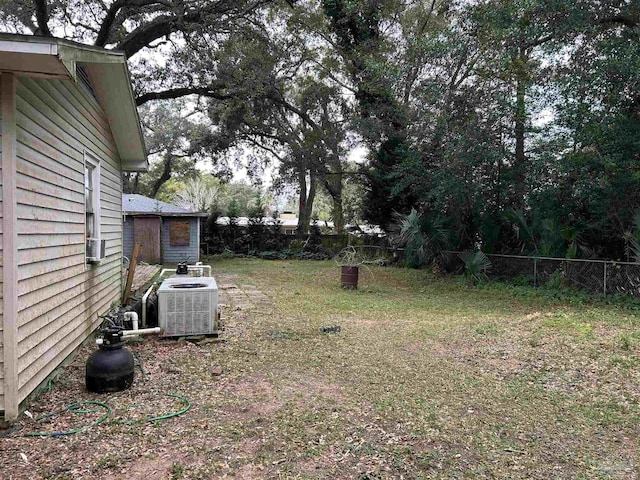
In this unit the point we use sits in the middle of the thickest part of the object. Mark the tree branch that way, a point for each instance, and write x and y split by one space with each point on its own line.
620 19
166 174
105 31
265 148
293 109
329 74
160 26
538 41
164 25
211 91
42 17
107 22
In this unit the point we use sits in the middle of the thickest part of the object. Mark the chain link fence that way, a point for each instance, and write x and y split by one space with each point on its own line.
595 276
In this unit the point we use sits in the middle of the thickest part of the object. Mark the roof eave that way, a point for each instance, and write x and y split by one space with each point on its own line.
47 57
112 84
167 214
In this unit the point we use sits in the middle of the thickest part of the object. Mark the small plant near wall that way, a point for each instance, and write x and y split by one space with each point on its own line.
476 266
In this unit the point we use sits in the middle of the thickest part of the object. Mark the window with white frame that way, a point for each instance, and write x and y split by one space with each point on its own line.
92 196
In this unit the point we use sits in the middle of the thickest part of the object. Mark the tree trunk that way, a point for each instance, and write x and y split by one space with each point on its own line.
338 216
131 183
305 203
166 175
334 188
519 166
520 160
310 198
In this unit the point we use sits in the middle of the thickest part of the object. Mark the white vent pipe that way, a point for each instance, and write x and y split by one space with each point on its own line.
133 316
144 304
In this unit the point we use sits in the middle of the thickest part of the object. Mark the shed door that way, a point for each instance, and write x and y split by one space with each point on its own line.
147 233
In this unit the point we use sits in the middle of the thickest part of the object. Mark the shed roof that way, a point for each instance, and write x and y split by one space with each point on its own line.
47 57
133 204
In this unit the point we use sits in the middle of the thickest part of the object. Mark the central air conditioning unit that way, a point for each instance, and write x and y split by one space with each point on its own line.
188 306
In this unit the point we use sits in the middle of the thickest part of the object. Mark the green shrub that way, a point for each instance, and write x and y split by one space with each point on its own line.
296 245
555 281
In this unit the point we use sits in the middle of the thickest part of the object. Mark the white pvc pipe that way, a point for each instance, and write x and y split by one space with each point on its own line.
133 316
145 297
134 333
201 268
142 331
165 270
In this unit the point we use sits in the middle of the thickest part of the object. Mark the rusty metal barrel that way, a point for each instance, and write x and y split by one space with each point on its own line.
349 277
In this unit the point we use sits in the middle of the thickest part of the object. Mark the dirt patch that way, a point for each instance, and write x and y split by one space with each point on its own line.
249 472
251 398
153 468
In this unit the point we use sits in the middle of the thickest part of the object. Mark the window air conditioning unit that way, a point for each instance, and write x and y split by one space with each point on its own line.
96 250
188 306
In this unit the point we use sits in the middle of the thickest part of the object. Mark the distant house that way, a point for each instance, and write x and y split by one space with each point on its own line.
69 128
289 222
166 233
287 226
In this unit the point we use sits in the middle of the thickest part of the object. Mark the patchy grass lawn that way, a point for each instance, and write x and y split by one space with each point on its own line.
427 378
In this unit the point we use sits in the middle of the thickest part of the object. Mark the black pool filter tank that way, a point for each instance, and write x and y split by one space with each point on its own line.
111 367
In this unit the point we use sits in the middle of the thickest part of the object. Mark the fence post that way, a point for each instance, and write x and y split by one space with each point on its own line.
535 272
605 279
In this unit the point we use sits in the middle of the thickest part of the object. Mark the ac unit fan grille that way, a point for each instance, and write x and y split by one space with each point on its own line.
188 313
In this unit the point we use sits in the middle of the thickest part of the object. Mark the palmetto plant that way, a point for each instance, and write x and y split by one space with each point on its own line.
547 237
476 265
421 236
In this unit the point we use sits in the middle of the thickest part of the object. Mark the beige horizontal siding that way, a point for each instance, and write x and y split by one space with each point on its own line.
43 240
1 277
43 96
59 296
32 147
37 255
37 341
34 184
34 302
38 370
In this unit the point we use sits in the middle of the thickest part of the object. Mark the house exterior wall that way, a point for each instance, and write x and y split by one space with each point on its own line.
174 254
59 295
1 277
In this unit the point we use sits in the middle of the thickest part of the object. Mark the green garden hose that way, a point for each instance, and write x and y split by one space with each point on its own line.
187 407
75 408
